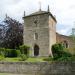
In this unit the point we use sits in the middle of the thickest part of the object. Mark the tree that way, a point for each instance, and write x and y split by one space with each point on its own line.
2 33
13 34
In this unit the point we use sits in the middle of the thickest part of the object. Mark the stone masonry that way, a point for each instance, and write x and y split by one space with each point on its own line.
40 32
38 68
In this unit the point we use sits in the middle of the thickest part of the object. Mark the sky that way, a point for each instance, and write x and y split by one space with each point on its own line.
64 10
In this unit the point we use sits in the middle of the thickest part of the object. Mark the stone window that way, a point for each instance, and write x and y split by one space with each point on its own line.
52 24
35 22
35 36
65 44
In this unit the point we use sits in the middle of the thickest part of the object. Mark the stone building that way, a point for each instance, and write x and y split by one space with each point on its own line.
40 33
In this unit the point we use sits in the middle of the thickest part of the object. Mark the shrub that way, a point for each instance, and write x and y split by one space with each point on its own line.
9 52
57 50
60 54
1 57
12 53
57 47
67 58
2 51
24 49
18 53
23 57
70 50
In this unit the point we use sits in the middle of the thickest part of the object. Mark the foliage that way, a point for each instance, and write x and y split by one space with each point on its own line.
57 50
66 58
72 37
70 50
12 53
24 49
13 34
57 47
2 51
1 57
23 57
9 52
1 34
59 53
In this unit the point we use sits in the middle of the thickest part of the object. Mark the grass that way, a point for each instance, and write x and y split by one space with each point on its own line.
11 59
30 59
9 74
35 59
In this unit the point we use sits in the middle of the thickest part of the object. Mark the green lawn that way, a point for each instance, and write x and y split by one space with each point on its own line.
35 59
9 74
31 59
12 59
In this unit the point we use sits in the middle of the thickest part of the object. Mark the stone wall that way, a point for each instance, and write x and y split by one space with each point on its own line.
38 68
61 38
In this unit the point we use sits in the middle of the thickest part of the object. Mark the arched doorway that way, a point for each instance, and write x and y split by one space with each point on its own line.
36 50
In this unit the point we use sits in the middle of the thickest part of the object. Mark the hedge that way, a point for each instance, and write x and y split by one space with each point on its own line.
9 52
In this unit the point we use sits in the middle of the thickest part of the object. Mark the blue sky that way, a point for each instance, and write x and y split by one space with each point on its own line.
63 9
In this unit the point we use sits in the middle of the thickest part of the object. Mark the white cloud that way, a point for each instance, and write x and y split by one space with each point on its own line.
63 9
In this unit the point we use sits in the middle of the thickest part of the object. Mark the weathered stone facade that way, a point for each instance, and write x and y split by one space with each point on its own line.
40 32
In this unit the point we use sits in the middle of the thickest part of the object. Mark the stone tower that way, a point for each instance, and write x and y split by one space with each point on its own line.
40 32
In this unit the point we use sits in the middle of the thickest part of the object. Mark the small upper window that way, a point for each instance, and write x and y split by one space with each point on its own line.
35 36
35 22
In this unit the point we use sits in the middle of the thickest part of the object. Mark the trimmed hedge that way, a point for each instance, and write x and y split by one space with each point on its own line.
9 52
14 52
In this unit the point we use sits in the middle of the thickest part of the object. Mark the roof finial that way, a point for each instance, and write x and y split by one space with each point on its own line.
39 5
24 13
48 9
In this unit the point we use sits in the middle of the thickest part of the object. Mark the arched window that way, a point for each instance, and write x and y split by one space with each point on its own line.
65 44
35 36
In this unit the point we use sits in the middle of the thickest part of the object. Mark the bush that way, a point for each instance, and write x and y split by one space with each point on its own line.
12 53
18 53
57 47
57 50
2 51
1 57
9 52
66 58
23 57
24 49
70 50
60 54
